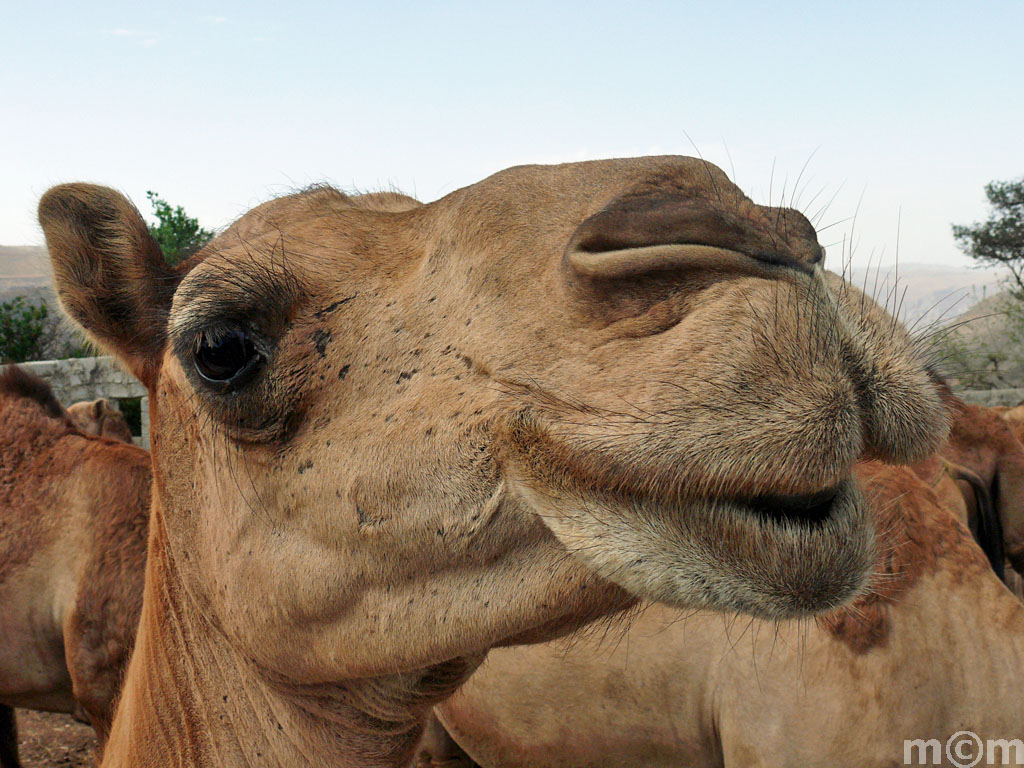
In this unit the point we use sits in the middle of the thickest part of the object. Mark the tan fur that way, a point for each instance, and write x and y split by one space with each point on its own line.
1014 416
73 529
939 649
480 421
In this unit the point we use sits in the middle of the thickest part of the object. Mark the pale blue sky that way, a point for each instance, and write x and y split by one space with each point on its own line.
221 105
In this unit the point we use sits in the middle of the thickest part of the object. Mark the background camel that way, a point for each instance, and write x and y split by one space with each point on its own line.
938 648
984 443
73 523
100 418
387 438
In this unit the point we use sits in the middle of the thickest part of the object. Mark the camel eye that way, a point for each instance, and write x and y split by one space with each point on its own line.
226 359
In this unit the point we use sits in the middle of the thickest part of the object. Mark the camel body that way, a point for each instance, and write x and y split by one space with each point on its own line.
73 526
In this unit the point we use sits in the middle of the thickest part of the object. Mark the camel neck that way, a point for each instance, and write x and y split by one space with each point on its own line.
190 700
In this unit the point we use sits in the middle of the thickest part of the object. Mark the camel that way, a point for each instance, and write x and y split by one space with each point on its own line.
983 442
1015 418
937 649
387 437
101 418
73 529
979 475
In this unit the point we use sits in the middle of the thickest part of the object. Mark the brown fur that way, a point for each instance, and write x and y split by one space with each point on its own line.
73 529
338 540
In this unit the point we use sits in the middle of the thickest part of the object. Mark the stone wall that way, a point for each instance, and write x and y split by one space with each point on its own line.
993 396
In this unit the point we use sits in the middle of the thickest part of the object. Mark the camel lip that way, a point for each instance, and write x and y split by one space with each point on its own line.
808 509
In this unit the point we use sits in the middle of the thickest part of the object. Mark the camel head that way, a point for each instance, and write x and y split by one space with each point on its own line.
100 418
386 434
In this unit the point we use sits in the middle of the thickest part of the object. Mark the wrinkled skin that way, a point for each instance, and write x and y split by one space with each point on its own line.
100 418
669 688
74 511
481 421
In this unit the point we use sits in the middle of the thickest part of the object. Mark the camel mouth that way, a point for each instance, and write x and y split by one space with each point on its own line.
773 556
798 554
809 509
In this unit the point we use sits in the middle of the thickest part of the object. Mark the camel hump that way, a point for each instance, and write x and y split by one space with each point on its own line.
17 382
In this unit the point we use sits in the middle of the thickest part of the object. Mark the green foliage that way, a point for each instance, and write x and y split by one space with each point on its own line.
66 345
177 233
1000 240
28 331
23 328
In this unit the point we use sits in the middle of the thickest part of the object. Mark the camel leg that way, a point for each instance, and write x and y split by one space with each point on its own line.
8 738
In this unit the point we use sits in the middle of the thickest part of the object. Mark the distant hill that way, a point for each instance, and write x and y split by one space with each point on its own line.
984 348
25 270
926 294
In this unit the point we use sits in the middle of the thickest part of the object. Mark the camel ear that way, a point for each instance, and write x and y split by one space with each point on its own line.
110 274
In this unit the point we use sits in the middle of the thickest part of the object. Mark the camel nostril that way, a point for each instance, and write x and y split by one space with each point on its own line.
658 231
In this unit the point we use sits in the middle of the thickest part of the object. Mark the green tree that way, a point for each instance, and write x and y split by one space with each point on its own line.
177 233
23 329
1000 240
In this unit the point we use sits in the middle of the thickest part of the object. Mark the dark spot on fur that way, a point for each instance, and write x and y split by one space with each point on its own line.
343 372
328 309
406 375
321 338
307 464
